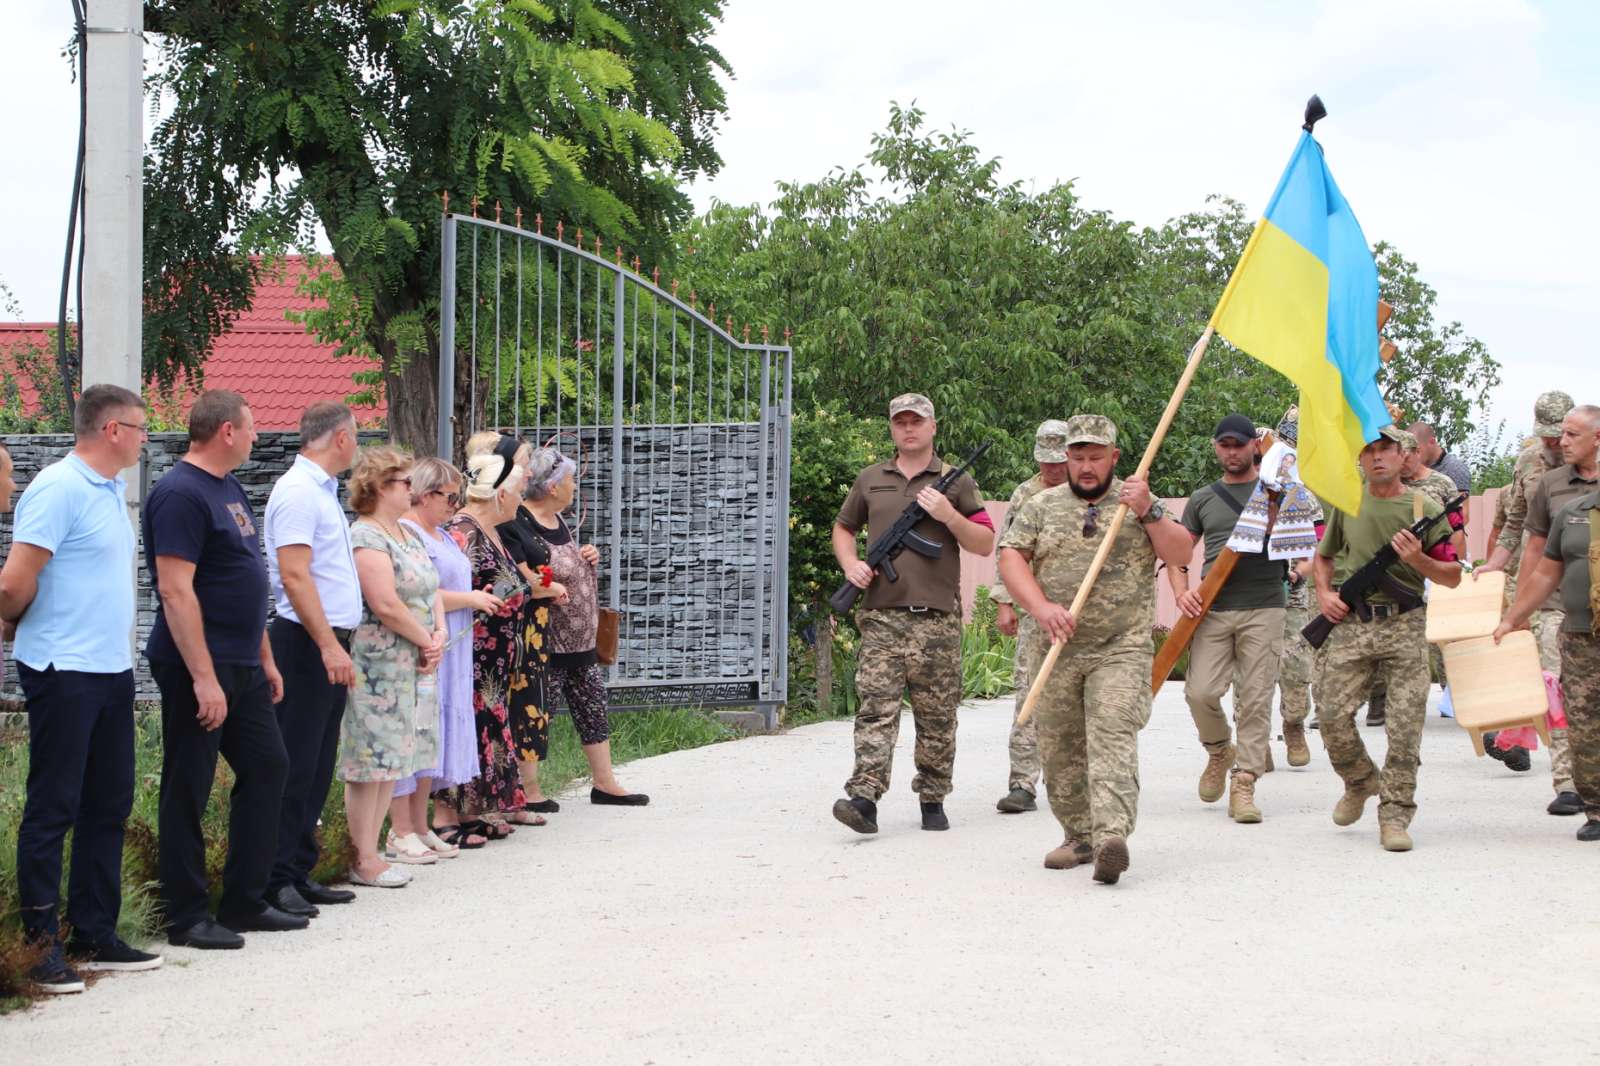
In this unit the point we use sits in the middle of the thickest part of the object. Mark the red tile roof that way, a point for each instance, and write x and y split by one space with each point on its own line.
274 363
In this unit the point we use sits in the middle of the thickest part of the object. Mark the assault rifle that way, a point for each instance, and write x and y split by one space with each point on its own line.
1374 576
902 535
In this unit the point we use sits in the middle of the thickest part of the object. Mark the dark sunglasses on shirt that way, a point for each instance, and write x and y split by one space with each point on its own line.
1091 520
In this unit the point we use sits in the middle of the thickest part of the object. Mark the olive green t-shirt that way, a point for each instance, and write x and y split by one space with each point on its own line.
1352 542
1568 541
1256 581
877 499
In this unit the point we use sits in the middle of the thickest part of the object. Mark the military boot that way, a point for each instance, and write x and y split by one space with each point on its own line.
1394 838
1353 803
1071 853
1377 708
1214 778
1294 738
859 814
1110 859
1242 799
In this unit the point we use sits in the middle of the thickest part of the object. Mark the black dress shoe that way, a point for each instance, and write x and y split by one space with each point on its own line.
933 816
1566 803
207 935
268 919
287 900
322 895
544 806
606 799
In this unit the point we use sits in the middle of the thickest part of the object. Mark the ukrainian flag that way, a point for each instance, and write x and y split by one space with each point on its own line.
1304 300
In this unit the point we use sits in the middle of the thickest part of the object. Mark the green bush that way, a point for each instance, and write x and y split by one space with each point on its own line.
1180 669
987 655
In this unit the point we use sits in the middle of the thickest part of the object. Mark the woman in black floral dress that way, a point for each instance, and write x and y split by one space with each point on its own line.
494 488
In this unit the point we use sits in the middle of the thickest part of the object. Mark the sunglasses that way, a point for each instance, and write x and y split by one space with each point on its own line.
406 481
1091 520
452 498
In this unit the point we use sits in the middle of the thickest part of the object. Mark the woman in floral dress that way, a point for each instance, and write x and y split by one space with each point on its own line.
494 487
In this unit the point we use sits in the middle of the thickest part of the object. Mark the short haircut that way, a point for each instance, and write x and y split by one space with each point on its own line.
374 469
431 475
211 410
322 419
96 404
1589 413
545 472
483 470
1422 431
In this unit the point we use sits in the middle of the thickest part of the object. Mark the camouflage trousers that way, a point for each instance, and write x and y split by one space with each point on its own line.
915 653
1580 686
1090 714
1024 735
1356 654
1294 669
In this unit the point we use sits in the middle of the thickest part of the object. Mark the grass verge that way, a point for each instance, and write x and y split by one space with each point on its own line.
635 735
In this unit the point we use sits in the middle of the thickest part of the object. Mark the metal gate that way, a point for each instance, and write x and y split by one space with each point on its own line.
681 432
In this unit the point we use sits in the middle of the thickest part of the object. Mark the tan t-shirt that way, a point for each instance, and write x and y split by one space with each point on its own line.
878 497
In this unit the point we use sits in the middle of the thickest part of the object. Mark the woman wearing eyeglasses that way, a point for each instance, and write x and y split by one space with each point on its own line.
435 498
391 724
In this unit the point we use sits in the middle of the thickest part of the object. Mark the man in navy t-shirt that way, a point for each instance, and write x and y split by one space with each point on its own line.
209 654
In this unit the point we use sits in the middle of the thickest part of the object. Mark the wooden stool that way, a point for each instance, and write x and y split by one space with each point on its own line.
1471 609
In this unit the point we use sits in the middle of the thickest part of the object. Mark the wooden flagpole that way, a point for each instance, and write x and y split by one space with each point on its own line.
1099 561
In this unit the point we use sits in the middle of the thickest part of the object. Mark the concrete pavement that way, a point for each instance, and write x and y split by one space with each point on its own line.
733 921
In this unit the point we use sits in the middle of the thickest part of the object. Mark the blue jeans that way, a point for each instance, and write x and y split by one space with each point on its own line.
80 777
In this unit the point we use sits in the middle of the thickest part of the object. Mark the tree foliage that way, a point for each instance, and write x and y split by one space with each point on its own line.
353 116
922 270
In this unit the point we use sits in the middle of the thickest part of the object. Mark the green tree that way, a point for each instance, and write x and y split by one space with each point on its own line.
281 117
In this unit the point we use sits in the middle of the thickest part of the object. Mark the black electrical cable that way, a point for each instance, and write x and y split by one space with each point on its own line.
75 218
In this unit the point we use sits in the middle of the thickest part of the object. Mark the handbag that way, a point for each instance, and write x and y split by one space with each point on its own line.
605 637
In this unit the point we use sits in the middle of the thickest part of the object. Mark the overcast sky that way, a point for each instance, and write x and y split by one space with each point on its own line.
1461 130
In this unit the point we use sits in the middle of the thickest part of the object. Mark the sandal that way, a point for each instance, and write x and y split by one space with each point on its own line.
461 837
408 849
491 829
435 844
525 817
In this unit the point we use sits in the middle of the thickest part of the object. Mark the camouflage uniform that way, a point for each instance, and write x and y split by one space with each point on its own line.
1391 649
1098 695
1580 684
1024 747
906 652
1295 673
1533 463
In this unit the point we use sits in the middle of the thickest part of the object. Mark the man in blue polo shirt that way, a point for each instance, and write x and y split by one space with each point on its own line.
68 588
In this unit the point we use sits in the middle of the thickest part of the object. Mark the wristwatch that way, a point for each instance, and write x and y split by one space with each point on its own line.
1158 511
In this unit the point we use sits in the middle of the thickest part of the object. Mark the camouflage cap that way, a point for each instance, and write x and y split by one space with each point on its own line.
1548 411
911 401
1050 442
1091 429
1408 441
1394 433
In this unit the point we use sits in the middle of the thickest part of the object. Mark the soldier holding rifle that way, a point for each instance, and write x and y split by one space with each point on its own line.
911 620
1097 698
1384 638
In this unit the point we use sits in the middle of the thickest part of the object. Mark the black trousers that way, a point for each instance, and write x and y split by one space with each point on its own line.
80 777
248 738
308 719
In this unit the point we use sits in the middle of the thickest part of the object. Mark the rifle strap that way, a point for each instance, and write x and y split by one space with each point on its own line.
1226 497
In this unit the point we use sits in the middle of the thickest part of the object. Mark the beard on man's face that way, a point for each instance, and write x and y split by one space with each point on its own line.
1090 492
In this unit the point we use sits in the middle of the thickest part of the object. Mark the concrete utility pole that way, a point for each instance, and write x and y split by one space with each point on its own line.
113 269
112 315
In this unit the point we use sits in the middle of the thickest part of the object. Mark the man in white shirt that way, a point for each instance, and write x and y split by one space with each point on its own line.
312 573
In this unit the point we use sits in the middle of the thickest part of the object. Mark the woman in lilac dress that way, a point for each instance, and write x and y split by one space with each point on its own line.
435 497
